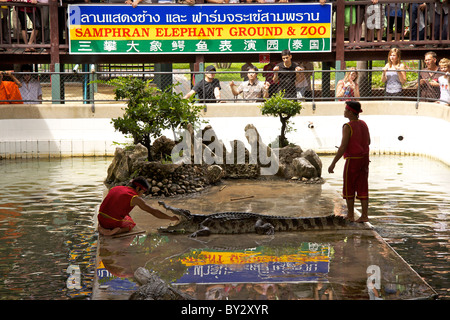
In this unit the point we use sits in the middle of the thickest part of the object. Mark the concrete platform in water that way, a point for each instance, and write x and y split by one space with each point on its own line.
342 264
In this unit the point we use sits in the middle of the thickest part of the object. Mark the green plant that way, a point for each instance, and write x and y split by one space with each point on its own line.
150 110
277 106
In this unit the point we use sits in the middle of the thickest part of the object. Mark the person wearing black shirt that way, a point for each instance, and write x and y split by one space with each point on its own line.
208 89
286 80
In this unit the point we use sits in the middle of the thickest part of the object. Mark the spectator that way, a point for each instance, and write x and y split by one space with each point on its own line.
304 84
34 14
348 88
393 75
4 15
444 98
253 90
9 90
62 19
429 79
417 21
208 89
45 14
441 12
287 78
244 68
269 77
394 15
30 90
353 20
135 3
374 22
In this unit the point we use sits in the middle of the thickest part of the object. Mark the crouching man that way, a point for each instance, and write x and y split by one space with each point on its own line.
114 214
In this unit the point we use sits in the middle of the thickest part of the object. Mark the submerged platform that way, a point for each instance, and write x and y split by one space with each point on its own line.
312 265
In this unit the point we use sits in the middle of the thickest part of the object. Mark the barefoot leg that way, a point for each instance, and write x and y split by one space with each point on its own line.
350 208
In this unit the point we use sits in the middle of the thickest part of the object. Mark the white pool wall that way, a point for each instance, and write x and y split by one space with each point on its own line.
396 127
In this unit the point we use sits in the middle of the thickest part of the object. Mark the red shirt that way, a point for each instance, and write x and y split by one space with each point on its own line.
117 204
358 145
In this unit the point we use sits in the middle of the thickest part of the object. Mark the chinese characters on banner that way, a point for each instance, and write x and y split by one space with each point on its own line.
147 29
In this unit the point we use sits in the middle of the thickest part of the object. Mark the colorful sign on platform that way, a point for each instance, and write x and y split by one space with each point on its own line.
309 262
202 29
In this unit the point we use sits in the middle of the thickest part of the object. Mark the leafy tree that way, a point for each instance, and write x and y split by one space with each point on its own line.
277 106
150 110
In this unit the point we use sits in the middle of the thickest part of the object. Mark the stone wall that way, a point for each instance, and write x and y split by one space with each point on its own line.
169 179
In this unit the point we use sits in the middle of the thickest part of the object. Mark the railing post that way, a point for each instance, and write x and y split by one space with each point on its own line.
56 83
54 52
340 33
54 36
163 79
418 84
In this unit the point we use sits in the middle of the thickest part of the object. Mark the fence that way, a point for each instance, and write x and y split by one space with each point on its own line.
307 85
398 22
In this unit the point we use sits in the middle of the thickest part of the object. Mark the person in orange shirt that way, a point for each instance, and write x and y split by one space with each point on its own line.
9 90
355 149
114 213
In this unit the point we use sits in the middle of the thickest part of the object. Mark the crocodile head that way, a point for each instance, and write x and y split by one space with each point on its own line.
185 220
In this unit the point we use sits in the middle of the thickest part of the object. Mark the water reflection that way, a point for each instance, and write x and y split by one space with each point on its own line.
300 266
410 208
46 226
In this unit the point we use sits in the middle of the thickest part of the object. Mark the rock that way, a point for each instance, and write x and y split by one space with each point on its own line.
214 173
242 171
111 173
120 168
314 159
260 153
139 152
303 168
155 190
162 148
238 154
289 153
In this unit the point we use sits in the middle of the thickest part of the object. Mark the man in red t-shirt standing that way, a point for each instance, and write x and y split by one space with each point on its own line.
114 214
355 149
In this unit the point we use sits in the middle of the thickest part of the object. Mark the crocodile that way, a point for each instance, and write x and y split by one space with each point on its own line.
154 288
248 222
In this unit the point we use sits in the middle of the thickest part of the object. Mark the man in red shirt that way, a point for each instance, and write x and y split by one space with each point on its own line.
114 214
355 149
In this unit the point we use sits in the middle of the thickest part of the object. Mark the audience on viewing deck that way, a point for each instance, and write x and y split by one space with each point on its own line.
296 82
252 89
400 17
9 90
444 65
208 89
347 89
393 74
429 79
30 90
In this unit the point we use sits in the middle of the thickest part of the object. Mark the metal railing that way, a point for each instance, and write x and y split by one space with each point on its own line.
356 24
411 23
314 86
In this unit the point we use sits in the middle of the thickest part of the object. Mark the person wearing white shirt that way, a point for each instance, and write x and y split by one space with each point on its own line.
30 90
444 65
